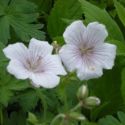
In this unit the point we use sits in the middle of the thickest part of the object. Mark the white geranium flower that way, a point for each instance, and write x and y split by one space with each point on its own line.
36 63
85 50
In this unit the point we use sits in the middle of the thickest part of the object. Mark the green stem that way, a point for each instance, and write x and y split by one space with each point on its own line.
76 107
64 122
56 118
85 82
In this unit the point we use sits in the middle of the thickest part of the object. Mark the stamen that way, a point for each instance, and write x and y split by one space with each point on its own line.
33 66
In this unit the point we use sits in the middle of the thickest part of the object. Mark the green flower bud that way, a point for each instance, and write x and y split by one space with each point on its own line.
91 102
32 118
56 46
77 116
82 92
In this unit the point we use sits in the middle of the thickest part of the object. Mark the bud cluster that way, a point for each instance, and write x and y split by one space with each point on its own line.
87 101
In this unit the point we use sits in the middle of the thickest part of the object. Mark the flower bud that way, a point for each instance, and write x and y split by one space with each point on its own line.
56 46
77 116
91 102
32 118
82 92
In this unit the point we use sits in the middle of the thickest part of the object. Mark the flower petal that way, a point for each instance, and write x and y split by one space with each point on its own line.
39 48
46 80
74 32
89 72
95 34
105 55
17 69
16 51
70 56
53 64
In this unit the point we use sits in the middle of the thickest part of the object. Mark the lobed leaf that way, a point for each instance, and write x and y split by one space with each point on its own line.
110 120
21 17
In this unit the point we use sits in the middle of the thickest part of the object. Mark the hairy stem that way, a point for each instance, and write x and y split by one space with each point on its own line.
56 118
76 107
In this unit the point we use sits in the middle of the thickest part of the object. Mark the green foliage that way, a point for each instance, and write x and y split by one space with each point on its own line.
15 118
28 100
19 17
123 84
44 6
97 14
108 89
110 120
63 9
66 92
120 11
9 86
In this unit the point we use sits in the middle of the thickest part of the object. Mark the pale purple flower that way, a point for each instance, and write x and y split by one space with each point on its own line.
36 63
85 50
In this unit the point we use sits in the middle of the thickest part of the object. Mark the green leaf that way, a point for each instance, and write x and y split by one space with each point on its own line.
3 60
120 11
108 89
110 120
28 100
63 9
4 30
15 118
123 84
8 86
100 15
43 5
20 17
121 116
5 95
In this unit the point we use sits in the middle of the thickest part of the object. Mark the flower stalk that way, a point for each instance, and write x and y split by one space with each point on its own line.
79 105
56 118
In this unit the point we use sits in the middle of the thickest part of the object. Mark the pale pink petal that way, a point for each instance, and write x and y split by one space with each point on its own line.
70 56
46 80
74 32
52 63
17 69
39 48
16 51
105 55
95 34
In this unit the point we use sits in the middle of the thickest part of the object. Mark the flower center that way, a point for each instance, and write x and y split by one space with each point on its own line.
33 65
86 50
